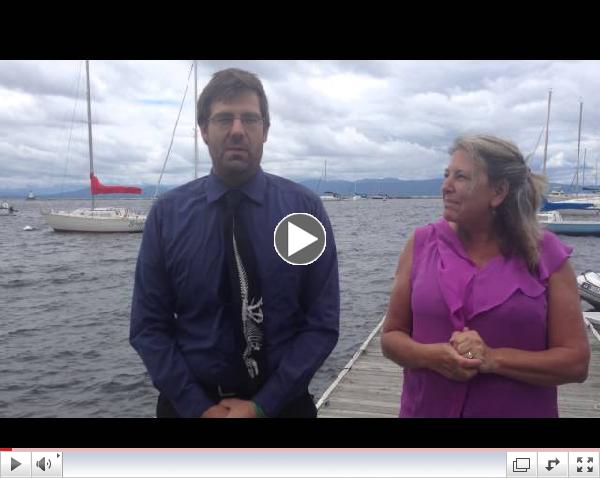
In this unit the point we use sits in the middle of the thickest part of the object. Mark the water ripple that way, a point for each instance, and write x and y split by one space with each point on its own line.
64 321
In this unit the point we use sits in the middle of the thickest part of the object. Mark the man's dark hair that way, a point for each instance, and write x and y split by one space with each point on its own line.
226 85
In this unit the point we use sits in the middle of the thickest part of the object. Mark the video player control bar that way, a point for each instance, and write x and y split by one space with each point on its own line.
297 463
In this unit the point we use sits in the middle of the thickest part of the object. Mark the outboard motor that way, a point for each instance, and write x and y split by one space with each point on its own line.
588 284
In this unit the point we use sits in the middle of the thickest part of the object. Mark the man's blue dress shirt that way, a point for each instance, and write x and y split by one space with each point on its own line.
178 321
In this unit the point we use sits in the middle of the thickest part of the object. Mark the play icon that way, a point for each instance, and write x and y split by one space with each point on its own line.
15 464
299 239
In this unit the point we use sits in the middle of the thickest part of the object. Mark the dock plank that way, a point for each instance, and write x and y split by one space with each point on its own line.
370 386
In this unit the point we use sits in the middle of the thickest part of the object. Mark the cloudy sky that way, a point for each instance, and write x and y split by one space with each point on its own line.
367 119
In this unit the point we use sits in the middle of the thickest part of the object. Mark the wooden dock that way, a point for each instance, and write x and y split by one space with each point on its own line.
369 386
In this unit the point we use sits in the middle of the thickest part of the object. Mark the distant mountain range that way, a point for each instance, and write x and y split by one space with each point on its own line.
393 187
83 193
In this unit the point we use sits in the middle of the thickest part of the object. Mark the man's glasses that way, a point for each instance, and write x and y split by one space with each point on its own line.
225 120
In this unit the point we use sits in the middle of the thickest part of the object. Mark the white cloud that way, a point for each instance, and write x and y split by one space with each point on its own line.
366 118
346 87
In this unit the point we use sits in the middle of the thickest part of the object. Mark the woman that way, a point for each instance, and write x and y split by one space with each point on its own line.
484 314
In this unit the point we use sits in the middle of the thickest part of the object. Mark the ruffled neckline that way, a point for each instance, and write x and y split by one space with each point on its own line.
459 248
484 288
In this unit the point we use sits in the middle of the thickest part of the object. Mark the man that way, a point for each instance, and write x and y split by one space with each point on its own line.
225 327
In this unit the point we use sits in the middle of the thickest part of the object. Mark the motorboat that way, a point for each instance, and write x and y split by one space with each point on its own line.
588 285
7 209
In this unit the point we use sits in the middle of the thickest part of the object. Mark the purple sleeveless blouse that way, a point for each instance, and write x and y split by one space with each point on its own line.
502 301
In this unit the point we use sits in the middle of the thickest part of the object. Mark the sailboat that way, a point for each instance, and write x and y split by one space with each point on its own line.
194 68
554 216
356 196
107 219
328 195
380 195
566 205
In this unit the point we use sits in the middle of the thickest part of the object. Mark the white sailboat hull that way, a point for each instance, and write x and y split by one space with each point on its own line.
97 220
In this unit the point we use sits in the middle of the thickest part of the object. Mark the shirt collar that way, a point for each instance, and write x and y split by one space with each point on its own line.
255 188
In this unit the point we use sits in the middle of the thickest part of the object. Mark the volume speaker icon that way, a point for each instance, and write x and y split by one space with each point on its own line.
43 463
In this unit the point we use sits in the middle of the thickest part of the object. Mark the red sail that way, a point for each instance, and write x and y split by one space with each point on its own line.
98 188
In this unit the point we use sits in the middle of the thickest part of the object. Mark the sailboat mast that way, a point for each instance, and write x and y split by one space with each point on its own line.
546 140
578 144
195 119
583 174
89 115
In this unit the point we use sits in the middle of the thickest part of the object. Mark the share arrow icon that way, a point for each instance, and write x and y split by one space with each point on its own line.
550 467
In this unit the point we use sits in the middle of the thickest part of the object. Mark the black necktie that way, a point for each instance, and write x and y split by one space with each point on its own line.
246 296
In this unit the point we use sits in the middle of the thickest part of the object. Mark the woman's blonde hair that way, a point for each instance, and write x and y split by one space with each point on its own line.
515 219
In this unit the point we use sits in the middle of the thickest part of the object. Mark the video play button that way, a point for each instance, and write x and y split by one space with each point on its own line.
299 239
15 464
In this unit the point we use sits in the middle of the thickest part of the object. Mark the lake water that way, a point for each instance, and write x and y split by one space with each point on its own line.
65 301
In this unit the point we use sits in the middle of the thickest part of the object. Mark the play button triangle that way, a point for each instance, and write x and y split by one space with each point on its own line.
298 239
